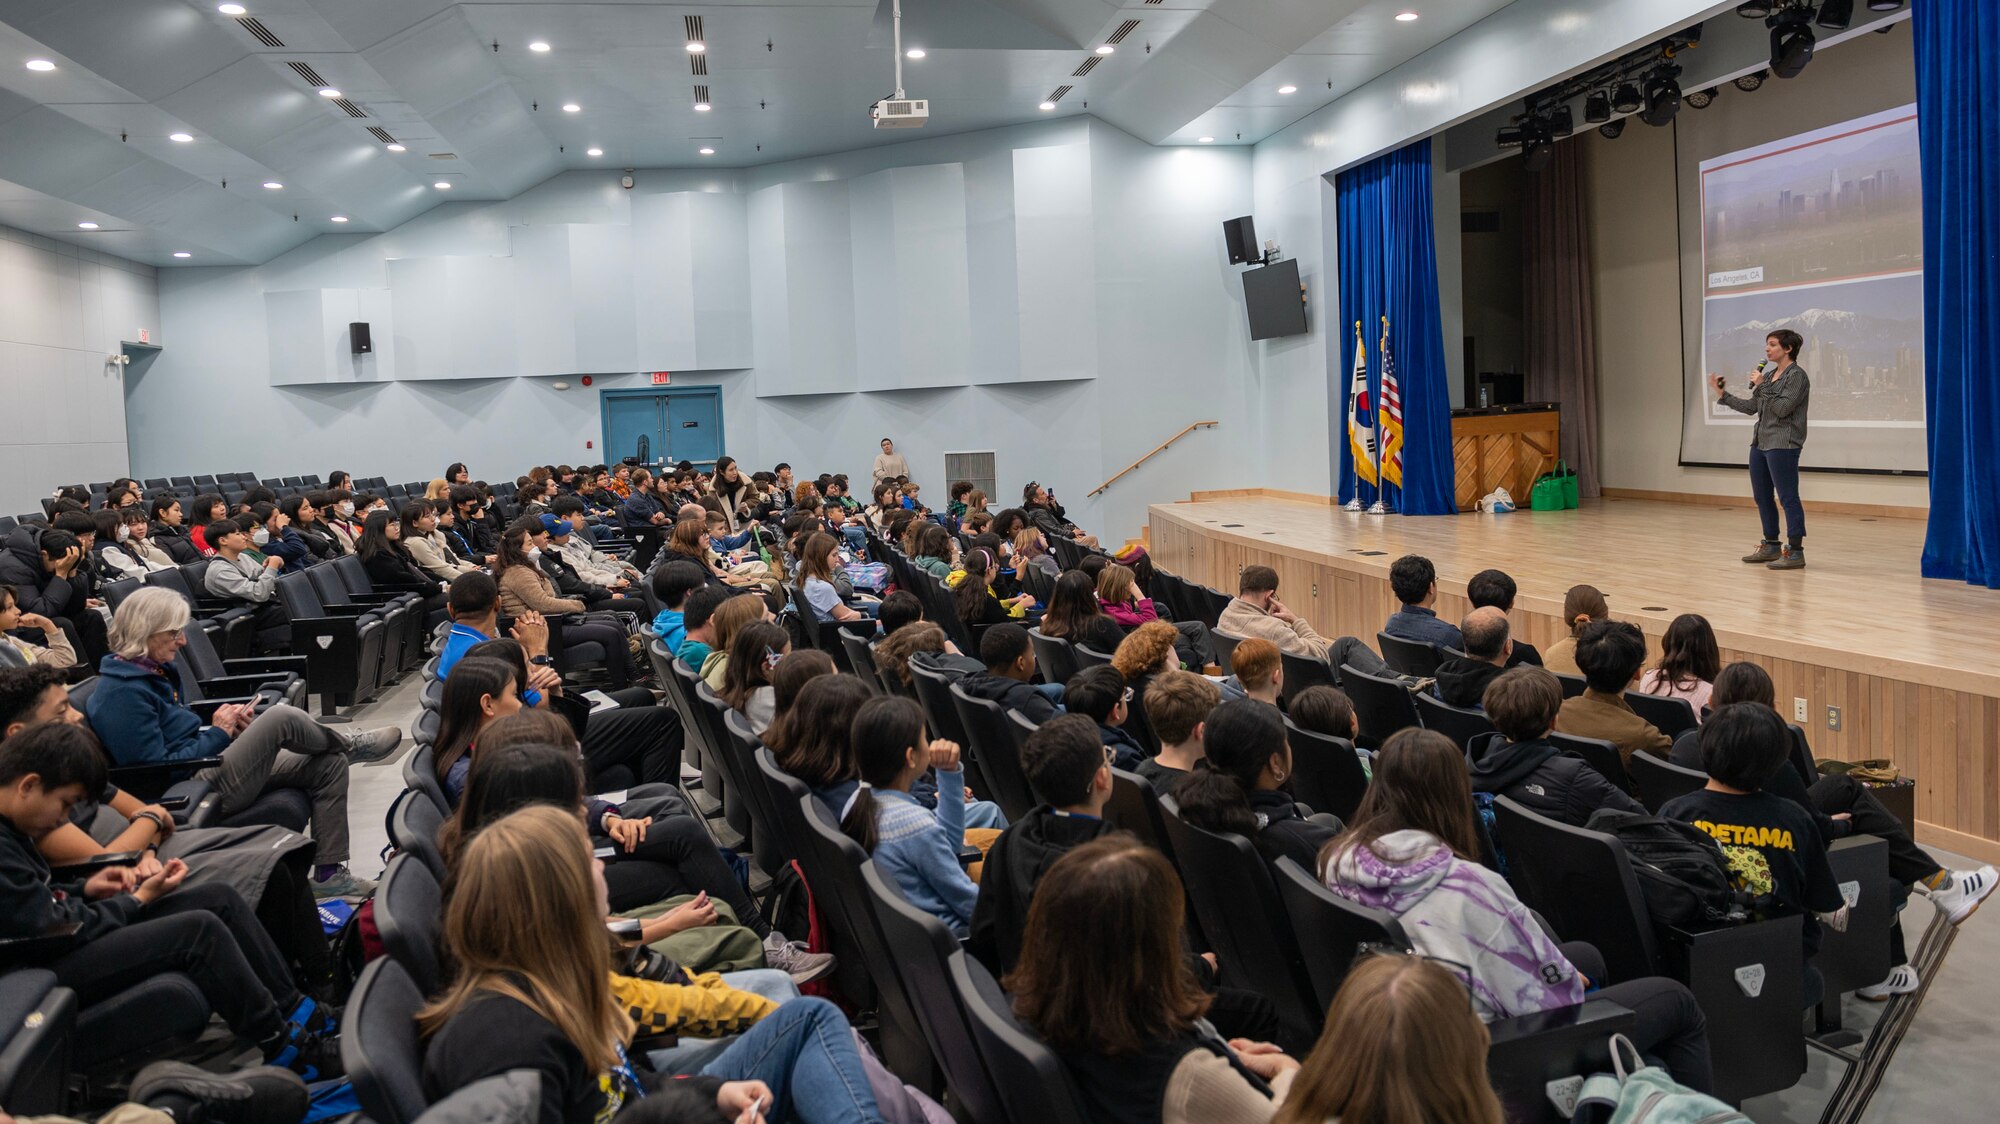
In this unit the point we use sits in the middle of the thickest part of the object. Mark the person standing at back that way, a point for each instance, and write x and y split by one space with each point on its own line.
889 463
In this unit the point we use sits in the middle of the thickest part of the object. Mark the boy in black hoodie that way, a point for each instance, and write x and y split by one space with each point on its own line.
1522 704
121 930
1069 770
1102 695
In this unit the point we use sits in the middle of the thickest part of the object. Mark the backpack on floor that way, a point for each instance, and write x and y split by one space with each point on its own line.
1680 868
1644 1095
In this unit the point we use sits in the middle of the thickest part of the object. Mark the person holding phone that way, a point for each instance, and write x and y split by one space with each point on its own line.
1779 391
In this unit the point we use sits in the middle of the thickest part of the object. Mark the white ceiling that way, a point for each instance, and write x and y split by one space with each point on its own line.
88 141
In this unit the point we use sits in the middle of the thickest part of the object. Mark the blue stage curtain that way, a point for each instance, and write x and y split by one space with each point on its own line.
1388 267
1957 44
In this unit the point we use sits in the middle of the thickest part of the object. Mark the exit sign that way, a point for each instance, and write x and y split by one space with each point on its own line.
662 378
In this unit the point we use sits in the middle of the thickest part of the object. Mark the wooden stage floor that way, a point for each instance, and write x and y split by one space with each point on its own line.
1913 665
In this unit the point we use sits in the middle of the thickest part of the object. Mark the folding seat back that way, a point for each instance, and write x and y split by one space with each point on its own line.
1326 772
380 1048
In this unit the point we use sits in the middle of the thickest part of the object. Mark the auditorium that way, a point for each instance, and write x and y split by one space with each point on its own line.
998 561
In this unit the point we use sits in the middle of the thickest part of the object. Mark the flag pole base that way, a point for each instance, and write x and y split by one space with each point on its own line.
1352 505
1378 509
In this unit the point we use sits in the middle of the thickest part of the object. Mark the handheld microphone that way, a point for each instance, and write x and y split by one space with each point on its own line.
1761 364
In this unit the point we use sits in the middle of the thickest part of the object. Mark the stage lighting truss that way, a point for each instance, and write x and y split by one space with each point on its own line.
1644 81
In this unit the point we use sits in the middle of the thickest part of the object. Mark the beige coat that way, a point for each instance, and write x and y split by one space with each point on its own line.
1241 618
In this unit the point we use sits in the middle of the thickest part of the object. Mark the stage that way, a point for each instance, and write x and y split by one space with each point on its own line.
1911 664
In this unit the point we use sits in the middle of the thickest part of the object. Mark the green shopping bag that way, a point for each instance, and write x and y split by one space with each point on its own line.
1547 494
1566 476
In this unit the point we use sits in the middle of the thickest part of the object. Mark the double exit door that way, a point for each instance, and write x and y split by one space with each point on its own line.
679 424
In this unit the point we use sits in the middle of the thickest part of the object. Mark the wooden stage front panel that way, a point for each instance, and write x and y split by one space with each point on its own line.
1910 663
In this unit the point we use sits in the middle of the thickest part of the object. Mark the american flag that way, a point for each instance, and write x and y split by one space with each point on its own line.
1392 416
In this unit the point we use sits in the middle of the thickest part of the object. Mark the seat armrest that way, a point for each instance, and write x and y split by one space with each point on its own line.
236 684
191 793
267 665
45 945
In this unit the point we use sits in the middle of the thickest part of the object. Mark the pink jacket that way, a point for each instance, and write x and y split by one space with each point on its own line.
1131 614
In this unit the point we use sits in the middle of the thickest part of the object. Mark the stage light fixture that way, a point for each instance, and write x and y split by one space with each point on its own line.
1626 98
1510 136
1597 107
1610 129
1663 98
1792 43
1537 154
1835 15
1700 99
1559 122
1750 83
1754 9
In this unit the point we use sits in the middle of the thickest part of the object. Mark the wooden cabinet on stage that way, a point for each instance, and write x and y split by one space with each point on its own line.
1503 447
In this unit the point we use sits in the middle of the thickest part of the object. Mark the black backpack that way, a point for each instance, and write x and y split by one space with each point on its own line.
1680 868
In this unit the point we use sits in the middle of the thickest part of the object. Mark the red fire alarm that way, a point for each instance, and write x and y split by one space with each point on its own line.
589 444
585 380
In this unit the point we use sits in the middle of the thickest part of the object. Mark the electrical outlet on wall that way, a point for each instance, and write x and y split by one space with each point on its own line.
1833 718
1799 710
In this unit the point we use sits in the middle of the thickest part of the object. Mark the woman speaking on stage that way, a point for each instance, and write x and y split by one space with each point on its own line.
1778 393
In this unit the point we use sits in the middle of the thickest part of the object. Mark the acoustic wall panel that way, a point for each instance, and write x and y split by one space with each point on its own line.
719 224
454 317
771 327
801 281
908 232
600 298
544 331
994 321
663 286
307 333
1056 274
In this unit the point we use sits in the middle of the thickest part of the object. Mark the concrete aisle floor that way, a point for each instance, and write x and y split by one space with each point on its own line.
1933 1078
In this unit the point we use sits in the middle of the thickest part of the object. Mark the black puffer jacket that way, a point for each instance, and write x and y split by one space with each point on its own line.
1547 782
1285 832
36 589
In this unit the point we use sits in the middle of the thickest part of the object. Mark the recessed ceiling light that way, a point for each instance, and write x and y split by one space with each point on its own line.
1288 89
328 92
1046 106
86 226
706 151
1405 17
593 152
572 107
702 107
182 254
442 185
338 218
696 46
231 9
1206 140
180 138
273 184
398 148
1106 49
40 64
914 53
538 45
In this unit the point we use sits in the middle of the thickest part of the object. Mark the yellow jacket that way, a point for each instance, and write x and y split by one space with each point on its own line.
707 1008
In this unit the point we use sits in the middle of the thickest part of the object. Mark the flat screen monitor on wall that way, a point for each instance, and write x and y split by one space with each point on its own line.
1277 307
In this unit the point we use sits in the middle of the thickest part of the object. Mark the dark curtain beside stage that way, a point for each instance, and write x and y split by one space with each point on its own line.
1388 267
1559 339
1957 44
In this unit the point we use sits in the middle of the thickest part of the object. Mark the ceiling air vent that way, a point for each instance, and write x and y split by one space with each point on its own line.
700 92
311 76
1124 29
382 135
698 65
1088 65
259 32
694 29
444 155
1059 92
1155 2
352 109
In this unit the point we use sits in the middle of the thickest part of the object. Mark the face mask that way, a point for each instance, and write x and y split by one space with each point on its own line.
260 536
534 553
124 532
346 508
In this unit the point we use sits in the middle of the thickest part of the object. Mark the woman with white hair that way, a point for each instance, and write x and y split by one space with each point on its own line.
137 713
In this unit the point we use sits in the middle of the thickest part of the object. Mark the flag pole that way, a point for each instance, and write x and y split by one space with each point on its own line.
1381 480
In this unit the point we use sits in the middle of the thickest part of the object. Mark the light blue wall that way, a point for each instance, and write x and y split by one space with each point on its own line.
1056 292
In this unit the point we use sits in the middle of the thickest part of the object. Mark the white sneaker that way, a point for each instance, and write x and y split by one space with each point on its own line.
1902 981
1963 893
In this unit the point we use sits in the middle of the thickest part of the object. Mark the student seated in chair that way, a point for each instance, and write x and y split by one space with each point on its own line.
1522 705
1412 851
1010 671
1462 680
1177 707
915 847
1248 752
1259 673
1611 654
1101 694
232 575
1256 611
128 929
1495 589
1415 583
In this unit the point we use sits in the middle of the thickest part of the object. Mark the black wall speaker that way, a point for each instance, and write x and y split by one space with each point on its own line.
359 339
1242 237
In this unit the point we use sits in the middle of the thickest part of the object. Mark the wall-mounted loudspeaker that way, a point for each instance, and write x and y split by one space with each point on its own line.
359 339
1241 235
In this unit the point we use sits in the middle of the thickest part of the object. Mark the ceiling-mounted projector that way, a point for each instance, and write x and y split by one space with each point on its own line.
900 113
897 111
